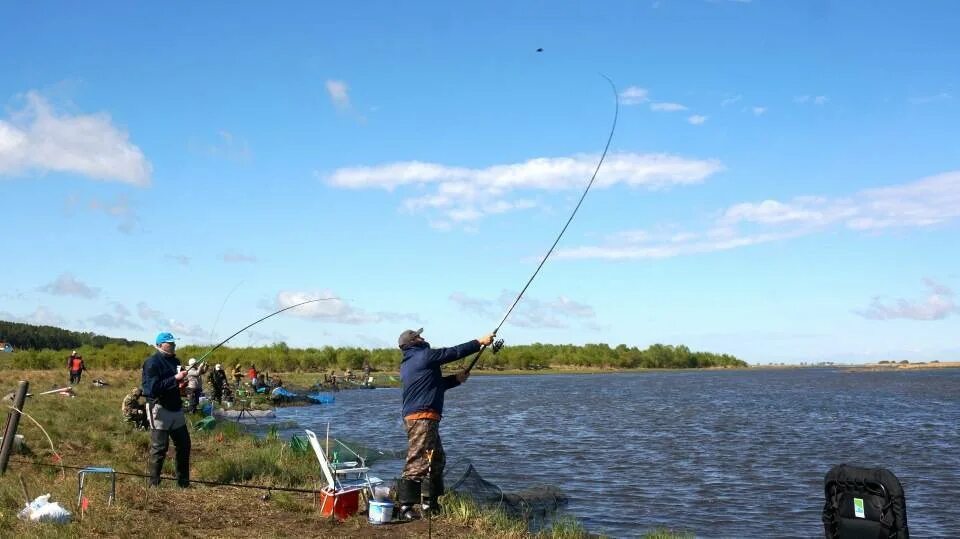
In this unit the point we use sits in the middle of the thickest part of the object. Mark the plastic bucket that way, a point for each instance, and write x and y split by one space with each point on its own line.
380 512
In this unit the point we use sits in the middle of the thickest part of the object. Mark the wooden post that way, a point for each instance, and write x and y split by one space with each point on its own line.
13 421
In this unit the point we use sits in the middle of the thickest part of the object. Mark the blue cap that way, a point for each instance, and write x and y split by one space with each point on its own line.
165 337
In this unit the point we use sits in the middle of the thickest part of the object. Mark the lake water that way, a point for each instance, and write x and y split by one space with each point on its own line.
719 453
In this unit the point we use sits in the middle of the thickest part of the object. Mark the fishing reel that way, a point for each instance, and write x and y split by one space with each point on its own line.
496 346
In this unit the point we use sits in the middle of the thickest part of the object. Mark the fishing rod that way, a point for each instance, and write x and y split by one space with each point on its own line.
498 344
204 356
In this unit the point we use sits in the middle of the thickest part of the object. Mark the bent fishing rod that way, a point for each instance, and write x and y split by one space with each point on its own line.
223 342
613 127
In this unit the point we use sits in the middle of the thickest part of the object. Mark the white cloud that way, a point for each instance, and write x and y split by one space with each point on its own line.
38 138
938 305
807 211
759 111
146 313
667 107
256 337
181 329
373 342
926 202
697 119
929 201
118 319
119 209
713 240
183 260
161 322
13 295
634 95
228 146
68 285
41 316
482 307
924 99
236 257
811 99
730 100
531 312
339 94
330 310
467 194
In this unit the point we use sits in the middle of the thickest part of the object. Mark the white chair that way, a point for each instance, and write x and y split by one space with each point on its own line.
343 477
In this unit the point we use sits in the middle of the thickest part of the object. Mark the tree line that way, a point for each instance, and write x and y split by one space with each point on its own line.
281 358
29 336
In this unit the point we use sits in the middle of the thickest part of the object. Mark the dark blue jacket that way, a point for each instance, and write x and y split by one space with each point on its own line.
423 383
159 383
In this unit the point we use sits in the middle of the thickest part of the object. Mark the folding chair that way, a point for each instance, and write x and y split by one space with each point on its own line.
82 475
345 481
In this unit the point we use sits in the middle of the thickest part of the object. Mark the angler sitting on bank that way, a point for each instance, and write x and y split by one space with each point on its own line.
133 411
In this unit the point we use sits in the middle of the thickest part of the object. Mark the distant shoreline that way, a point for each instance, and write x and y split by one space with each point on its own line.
905 366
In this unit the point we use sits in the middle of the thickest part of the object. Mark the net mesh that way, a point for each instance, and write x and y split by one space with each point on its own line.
536 503
368 454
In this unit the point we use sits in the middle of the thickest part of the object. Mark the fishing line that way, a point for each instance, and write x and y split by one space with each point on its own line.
222 305
56 455
204 356
613 127
201 481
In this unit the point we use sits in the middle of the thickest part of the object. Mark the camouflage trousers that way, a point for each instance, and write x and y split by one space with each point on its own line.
423 436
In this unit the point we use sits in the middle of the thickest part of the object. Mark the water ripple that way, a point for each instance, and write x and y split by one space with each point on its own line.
720 453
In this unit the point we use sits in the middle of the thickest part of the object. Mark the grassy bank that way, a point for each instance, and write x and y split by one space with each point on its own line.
87 430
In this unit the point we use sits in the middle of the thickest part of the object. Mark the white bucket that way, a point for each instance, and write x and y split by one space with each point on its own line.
380 512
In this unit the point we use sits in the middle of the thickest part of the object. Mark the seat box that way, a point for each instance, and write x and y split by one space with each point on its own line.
341 505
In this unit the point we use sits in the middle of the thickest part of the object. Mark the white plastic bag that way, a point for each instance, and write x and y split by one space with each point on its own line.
29 508
381 494
42 510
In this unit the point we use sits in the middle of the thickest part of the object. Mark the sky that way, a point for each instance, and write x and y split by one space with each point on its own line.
783 183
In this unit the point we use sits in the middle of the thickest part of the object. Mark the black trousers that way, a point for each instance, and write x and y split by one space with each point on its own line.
75 377
193 397
159 442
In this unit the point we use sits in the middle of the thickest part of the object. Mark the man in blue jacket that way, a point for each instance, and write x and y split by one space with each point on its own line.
423 388
161 387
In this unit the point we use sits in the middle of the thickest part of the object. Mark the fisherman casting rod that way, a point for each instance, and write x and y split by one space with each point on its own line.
223 342
613 127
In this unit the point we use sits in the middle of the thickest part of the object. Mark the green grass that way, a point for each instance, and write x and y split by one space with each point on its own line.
88 431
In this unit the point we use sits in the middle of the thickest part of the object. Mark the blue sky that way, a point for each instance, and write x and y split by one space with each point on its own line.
783 183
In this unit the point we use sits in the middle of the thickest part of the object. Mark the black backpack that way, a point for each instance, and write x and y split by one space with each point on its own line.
864 503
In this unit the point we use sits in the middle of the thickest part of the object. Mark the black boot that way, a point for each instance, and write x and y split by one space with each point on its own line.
181 439
408 496
155 469
432 490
